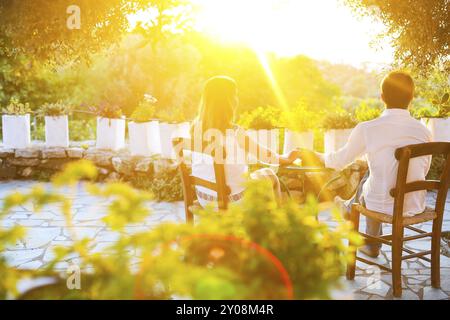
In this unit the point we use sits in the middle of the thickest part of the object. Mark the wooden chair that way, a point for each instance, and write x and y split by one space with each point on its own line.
190 182
399 222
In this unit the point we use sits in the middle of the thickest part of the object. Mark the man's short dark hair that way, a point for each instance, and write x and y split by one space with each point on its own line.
398 89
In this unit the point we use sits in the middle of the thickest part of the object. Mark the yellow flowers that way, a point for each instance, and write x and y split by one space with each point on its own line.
74 172
255 250
127 205
13 200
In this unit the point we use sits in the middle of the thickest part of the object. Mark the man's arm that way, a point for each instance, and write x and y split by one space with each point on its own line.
338 160
355 147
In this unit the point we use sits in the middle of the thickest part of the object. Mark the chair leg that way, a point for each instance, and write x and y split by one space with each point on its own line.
189 216
436 255
397 245
351 266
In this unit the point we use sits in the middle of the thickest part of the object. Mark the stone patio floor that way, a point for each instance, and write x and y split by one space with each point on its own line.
47 229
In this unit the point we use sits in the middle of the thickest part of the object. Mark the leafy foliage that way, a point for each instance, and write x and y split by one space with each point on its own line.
302 79
166 185
300 118
24 78
37 197
145 111
15 107
108 110
339 120
9 276
295 229
444 106
440 109
364 112
261 118
54 109
244 254
81 130
419 29
102 23
424 112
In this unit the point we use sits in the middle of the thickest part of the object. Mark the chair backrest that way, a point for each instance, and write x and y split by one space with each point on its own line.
403 155
181 145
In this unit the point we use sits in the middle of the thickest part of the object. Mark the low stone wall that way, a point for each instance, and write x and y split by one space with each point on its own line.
36 161
154 173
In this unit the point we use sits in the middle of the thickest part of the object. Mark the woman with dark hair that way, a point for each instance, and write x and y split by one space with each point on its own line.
216 119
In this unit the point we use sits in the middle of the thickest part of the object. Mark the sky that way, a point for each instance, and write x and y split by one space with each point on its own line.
321 29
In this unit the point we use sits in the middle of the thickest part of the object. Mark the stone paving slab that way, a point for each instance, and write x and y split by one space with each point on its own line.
48 229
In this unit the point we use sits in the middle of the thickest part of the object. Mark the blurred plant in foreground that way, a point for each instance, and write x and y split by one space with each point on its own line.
255 250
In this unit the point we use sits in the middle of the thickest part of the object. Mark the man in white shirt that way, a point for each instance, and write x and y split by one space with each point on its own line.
377 140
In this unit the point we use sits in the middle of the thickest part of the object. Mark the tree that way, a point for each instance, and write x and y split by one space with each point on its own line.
24 78
40 40
419 29
49 30
168 17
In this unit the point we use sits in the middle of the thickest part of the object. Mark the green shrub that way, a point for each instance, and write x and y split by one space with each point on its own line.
143 114
38 129
314 256
364 112
166 186
424 112
261 118
300 118
443 106
145 111
9 276
81 130
107 110
16 108
54 109
440 109
339 120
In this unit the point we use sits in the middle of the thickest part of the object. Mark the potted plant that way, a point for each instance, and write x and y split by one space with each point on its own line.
338 127
143 130
56 124
16 125
299 124
438 121
261 125
110 127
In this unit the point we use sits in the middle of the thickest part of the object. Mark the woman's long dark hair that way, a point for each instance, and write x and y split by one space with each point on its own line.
219 101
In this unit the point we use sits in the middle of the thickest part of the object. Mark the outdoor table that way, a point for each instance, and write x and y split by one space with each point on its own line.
301 171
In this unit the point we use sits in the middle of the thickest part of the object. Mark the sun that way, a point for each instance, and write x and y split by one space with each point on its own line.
237 21
321 29
324 30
